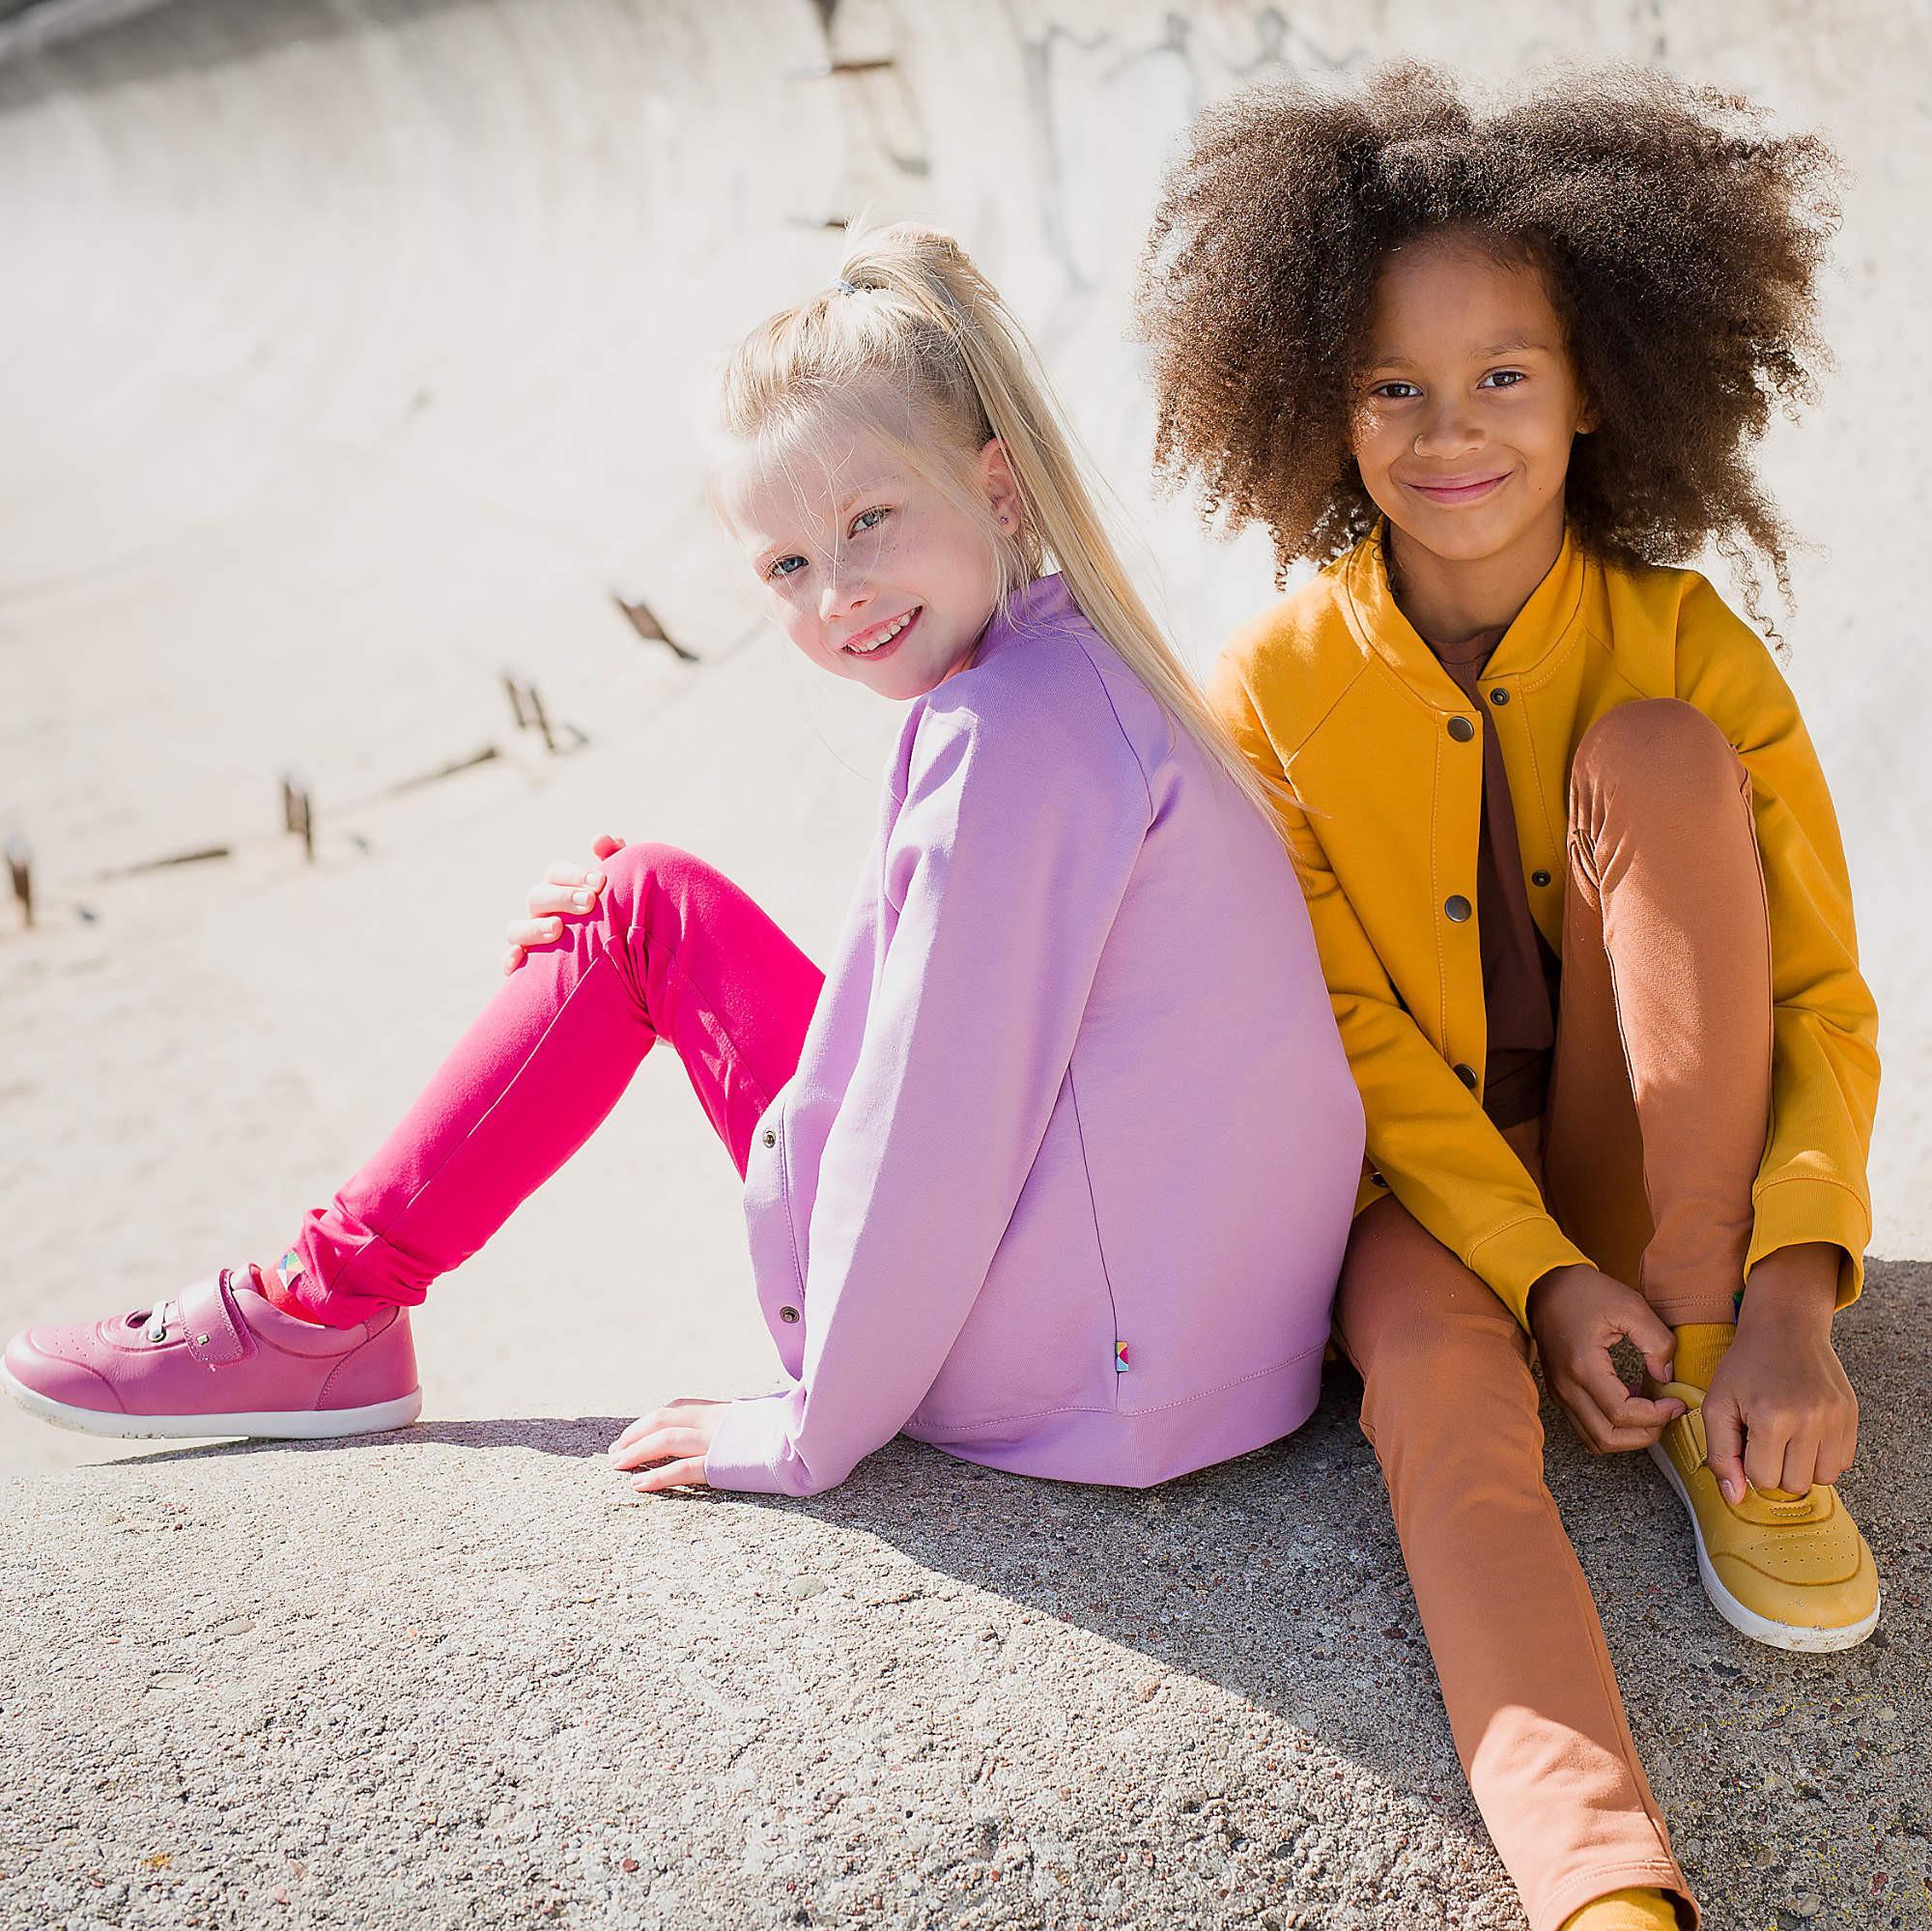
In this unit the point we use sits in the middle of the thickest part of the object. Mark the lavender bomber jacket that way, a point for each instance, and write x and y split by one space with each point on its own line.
1063 1180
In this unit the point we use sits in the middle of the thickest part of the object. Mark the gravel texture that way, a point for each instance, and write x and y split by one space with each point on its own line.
454 1676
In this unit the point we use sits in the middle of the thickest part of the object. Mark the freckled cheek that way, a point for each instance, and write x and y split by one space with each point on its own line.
804 634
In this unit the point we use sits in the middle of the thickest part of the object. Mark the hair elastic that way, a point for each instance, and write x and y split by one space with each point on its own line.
843 287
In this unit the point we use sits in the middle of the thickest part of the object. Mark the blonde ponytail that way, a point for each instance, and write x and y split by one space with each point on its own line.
913 338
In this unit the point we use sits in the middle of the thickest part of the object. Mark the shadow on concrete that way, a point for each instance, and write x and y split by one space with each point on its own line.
1278 1577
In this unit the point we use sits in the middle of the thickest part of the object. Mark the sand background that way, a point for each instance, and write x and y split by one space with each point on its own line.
350 359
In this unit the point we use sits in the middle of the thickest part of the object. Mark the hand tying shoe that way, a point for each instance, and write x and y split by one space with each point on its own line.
217 1359
1791 1571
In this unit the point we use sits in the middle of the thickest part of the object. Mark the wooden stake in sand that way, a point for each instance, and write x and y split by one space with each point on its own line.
299 811
20 863
643 621
528 708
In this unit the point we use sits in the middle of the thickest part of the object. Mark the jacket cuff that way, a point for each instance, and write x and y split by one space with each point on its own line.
1788 1212
1517 1255
748 1445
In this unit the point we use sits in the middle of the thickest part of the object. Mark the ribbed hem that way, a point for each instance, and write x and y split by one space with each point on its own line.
1697 1311
1565 1899
1129 1450
1802 1207
1517 1256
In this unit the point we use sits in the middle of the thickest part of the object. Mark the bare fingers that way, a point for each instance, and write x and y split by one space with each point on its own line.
651 1438
686 1474
1606 1414
566 888
567 891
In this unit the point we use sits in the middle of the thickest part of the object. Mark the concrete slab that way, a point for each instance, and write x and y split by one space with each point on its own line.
459 1676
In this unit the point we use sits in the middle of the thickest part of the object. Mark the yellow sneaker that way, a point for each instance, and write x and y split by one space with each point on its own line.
1791 1571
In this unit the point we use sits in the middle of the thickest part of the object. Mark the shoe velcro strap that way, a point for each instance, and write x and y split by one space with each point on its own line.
215 1331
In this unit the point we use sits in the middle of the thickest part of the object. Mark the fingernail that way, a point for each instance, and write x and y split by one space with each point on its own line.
1731 1493
595 881
582 901
555 926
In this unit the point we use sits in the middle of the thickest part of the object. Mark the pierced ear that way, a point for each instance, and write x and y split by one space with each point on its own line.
1003 494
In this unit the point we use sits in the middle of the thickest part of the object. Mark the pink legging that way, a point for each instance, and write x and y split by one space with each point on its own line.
673 951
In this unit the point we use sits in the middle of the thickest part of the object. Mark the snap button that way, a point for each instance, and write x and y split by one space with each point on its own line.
1499 696
787 1314
1539 878
1456 908
1462 730
771 1136
1467 1077
1376 1180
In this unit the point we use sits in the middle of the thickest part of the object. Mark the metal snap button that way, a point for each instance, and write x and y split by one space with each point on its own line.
1462 730
771 1136
1456 908
1539 878
787 1314
1499 696
1376 1180
1467 1077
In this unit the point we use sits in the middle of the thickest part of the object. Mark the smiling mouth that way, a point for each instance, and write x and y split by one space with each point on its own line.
881 639
1459 491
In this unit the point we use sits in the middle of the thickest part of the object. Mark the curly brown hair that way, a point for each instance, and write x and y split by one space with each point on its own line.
1679 239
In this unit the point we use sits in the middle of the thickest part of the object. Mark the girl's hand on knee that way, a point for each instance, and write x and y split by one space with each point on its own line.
1577 1315
678 1435
1780 1413
567 892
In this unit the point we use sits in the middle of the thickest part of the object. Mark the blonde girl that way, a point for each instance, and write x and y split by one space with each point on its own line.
1051 1169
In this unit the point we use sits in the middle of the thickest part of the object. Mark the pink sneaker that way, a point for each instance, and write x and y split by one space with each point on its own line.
218 1358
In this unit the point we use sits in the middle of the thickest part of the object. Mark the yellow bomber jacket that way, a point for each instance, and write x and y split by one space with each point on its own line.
1334 691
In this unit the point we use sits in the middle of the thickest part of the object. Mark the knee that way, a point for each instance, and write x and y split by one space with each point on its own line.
1658 750
645 874
1444 1366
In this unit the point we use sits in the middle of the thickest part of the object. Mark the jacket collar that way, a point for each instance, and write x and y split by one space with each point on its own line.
1541 624
1032 605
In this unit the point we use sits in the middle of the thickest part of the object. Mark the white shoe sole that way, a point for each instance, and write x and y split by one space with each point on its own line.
1747 1621
277 1424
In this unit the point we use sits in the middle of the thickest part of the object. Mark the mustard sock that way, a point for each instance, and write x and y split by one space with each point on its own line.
1700 1346
1625 1911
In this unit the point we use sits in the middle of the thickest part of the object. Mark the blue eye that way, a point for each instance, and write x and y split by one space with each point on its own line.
779 570
858 521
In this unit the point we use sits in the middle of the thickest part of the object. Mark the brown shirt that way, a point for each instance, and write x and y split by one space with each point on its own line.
1519 970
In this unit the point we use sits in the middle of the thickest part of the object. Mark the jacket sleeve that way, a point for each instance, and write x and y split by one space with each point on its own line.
1428 1136
1811 1183
1006 865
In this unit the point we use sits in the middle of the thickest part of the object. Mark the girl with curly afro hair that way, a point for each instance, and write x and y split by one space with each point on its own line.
1575 874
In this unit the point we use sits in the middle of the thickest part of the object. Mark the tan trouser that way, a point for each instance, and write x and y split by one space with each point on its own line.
1657 1120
